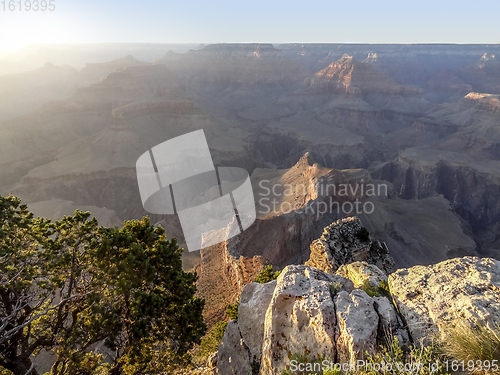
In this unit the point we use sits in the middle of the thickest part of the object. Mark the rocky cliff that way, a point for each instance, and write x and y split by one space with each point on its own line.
347 72
447 152
457 290
235 76
282 232
320 314
483 75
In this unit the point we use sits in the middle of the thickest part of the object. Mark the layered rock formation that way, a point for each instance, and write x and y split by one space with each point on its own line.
262 108
289 209
446 86
235 76
234 63
406 64
222 274
453 151
348 72
93 72
351 86
414 230
483 75
287 236
35 55
281 231
23 93
299 115
115 121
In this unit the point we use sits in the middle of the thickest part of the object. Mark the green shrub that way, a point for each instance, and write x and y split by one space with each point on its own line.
371 290
209 343
69 284
416 361
267 275
335 288
374 291
463 342
232 310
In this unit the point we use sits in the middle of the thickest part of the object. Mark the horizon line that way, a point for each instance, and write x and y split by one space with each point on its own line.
249 43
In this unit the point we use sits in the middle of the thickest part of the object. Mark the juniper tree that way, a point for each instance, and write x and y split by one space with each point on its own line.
69 284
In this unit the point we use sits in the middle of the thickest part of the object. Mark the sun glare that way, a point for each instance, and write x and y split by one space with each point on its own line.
18 30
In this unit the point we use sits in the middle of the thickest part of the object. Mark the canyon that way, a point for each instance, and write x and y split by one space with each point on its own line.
421 121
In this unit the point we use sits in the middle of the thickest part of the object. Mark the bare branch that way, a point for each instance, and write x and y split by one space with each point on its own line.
13 278
15 330
30 369
14 312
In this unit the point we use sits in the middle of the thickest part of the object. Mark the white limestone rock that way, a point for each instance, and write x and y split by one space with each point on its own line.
233 356
460 289
357 325
301 317
254 301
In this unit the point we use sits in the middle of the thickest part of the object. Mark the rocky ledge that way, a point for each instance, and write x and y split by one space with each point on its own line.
342 316
307 310
460 289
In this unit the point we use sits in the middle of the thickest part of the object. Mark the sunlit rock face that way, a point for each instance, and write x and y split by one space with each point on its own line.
457 290
314 313
305 310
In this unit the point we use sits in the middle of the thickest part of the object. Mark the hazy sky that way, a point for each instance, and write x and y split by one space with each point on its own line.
275 21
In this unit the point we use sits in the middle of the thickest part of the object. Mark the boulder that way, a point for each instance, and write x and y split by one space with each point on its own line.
346 241
460 289
254 301
234 357
357 325
391 325
308 312
301 317
361 273
379 256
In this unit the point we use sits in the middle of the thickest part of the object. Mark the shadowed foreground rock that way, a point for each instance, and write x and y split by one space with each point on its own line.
254 301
